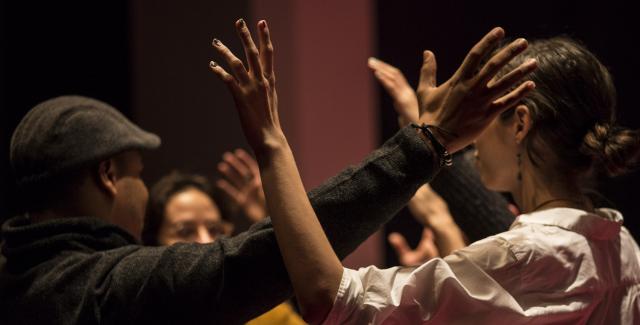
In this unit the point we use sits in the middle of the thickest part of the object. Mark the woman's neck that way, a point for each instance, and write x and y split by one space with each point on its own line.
538 191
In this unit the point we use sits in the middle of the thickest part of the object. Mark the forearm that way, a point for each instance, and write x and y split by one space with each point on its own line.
478 212
448 238
354 204
252 278
314 269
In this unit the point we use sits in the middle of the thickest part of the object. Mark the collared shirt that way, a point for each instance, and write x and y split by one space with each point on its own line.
555 266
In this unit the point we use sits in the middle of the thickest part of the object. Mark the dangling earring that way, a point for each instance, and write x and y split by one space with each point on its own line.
519 157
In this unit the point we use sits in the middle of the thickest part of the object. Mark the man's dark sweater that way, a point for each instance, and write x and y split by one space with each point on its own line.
83 270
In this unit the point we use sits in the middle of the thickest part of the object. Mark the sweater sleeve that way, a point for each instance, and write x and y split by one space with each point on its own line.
479 212
235 279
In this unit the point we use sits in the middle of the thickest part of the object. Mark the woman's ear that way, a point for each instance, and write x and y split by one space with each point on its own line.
523 122
107 176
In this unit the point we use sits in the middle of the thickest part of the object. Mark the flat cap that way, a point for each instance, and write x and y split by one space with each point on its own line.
67 132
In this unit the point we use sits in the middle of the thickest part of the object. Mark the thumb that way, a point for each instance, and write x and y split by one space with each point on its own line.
399 243
428 71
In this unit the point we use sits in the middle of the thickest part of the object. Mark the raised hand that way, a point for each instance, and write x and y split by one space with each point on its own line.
467 103
429 209
242 184
253 87
404 97
425 250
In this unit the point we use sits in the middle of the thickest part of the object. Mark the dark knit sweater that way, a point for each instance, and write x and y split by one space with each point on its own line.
479 213
85 271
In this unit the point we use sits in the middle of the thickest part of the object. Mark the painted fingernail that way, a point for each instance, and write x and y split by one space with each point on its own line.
213 64
241 22
216 42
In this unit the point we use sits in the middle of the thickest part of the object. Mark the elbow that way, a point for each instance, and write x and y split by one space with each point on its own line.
316 307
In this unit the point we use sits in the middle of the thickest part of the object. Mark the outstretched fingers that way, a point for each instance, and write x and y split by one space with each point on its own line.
236 65
228 79
266 52
250 49
480 50
512 98
499 60
507 81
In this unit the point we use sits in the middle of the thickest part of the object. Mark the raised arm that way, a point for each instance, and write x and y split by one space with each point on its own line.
464 105
478 211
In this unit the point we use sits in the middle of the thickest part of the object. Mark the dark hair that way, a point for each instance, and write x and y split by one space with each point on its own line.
573 110
160 194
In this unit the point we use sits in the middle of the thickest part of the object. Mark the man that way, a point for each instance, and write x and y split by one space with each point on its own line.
75 258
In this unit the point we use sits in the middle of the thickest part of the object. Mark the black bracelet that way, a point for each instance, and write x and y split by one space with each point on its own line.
446 159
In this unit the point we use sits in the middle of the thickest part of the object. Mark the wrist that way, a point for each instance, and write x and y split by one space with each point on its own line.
271 145
436 137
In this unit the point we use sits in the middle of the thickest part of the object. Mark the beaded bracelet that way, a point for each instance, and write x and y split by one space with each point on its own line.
446 159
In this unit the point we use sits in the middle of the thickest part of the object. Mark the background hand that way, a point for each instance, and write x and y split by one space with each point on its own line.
242 185
404 97
430 210
425 250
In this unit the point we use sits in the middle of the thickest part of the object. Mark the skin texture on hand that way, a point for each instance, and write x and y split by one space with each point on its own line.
404 97
428 208
440 236
425 250
253 88
242 185
467 103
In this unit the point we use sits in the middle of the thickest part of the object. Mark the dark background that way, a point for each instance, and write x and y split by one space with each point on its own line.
126 53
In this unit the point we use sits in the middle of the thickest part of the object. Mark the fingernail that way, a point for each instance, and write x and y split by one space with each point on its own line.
216 42
262 24
213 64
372 60
241 22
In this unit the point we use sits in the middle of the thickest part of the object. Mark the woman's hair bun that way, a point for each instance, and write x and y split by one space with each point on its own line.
615 148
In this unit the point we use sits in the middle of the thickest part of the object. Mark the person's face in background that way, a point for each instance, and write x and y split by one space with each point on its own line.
191 216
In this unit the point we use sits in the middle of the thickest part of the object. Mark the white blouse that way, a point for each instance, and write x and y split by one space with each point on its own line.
557 266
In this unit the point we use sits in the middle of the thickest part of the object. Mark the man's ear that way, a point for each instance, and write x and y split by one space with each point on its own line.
523 122
107 176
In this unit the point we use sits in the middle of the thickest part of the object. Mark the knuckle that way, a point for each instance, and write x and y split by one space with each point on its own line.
492 65
227 78
236 63
475 55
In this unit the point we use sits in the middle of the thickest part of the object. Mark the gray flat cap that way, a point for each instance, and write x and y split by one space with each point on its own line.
67 132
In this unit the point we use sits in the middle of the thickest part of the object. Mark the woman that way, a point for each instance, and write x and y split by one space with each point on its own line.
182 209
556 263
